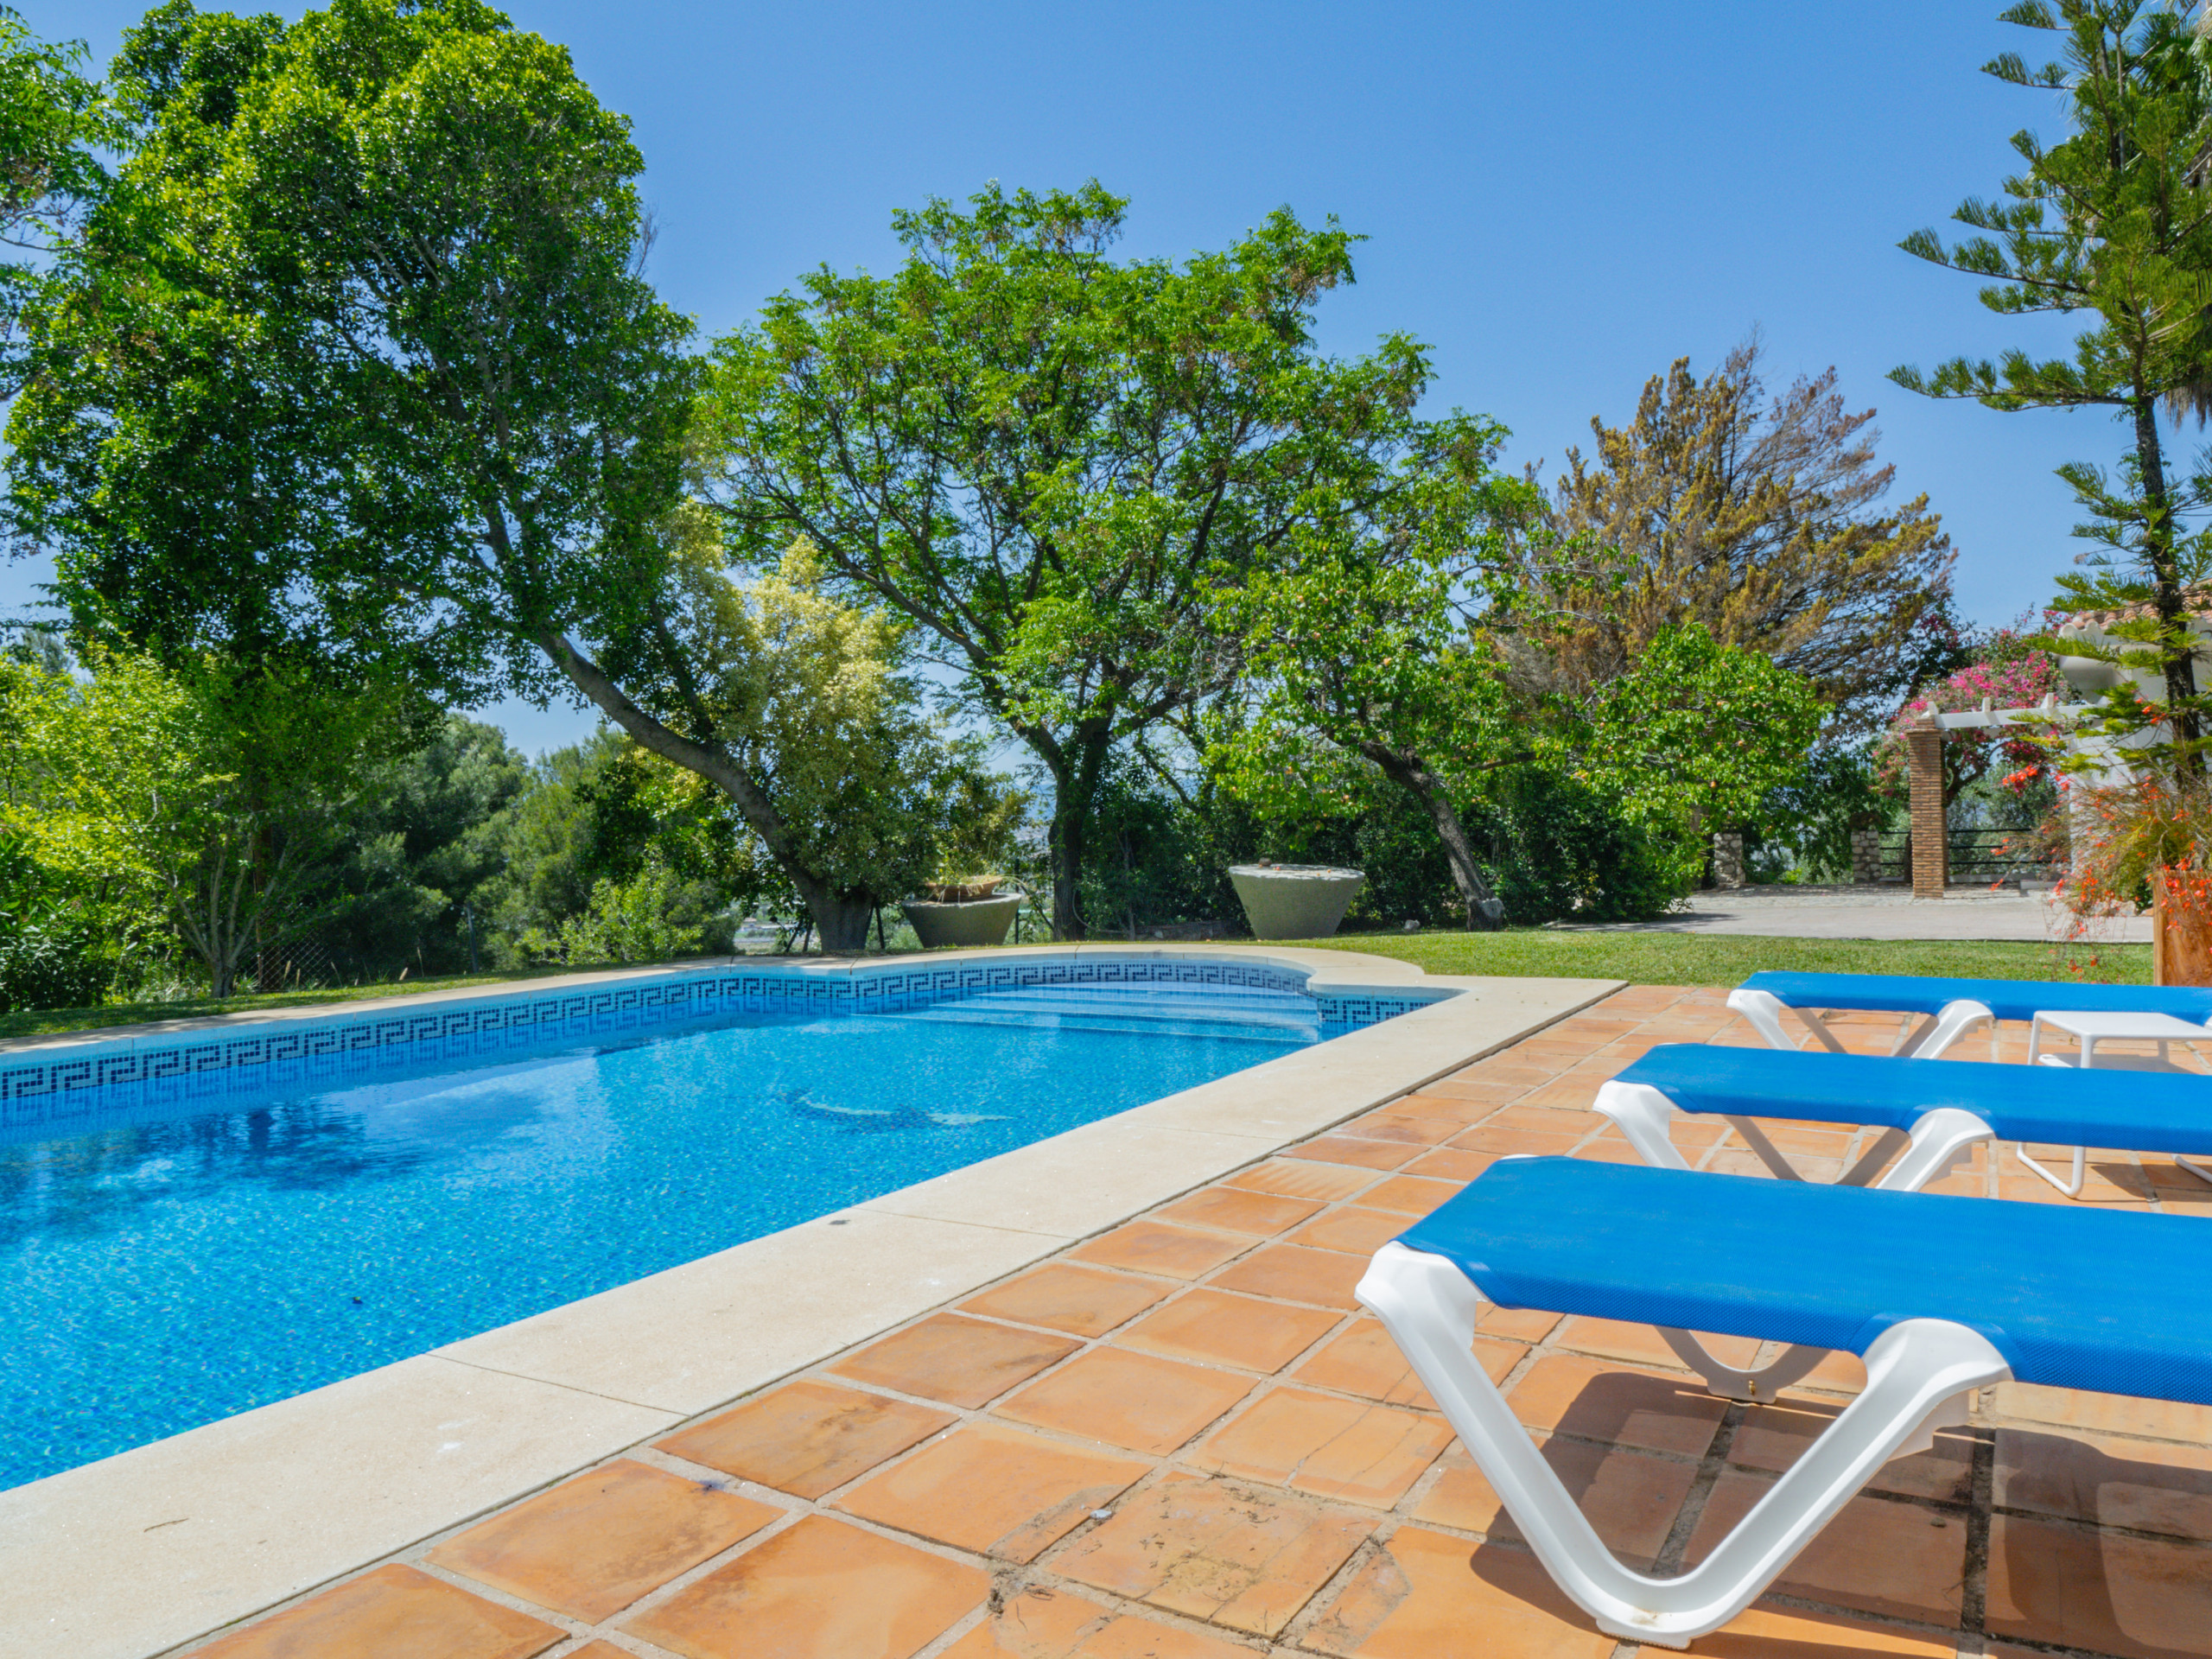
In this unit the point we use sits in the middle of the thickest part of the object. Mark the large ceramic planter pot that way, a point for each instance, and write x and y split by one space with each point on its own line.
972 922
1294 901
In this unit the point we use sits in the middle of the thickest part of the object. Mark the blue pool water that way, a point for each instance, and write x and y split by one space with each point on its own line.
168 1270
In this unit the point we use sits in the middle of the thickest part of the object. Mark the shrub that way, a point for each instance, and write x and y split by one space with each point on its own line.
625 921
51 944
1561 848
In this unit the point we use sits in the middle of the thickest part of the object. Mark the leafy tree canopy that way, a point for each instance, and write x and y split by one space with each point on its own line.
1358 656
1694 737
813 695
356 365
354 354
1052 459
52 122
214 799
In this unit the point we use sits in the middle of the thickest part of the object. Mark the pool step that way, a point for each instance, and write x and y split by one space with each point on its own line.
1187 1011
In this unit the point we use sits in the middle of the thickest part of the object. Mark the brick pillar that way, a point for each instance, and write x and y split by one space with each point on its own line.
1931 849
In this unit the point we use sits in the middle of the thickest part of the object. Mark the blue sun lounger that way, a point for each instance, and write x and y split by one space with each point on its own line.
1949 1008
1929 1114
1940 1297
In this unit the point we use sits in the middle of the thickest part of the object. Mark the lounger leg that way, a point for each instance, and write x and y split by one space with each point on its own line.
1643 1114
1936 1141
1762 1010
1940 1140
1769 1155
1954 1022
1920 1377
1886 1147
2071 1189
1910 1034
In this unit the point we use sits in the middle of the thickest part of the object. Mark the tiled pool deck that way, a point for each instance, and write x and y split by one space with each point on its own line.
1180 1439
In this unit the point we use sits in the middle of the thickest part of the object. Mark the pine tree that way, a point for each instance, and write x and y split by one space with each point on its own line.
2114 222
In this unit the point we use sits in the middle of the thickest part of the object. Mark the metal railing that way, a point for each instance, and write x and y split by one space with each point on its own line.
1978 856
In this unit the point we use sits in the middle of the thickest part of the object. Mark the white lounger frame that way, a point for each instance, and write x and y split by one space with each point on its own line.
1935 1143
1921 1376
1763 1012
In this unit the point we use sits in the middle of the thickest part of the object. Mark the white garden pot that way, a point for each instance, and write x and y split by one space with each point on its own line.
1294 901
972 922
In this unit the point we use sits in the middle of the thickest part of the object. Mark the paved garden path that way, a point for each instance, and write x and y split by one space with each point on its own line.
1180 1440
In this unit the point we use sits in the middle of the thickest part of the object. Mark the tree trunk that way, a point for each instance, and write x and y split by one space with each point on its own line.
841 920
2158 546
1485 912
839 917
1075 785
1067 843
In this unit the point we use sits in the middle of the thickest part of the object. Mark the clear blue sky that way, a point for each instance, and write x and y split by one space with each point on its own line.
1561 199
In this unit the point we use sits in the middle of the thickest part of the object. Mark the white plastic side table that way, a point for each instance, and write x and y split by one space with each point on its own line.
2089 1029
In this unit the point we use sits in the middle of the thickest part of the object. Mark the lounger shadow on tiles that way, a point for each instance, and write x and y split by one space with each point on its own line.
1948 1008
1941 1296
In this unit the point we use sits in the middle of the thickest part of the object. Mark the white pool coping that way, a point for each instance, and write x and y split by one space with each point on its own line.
155 1548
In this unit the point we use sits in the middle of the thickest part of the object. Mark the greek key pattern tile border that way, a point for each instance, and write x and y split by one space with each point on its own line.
318 1052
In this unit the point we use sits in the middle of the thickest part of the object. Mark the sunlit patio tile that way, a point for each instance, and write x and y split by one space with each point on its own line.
1322 1278
1234 1210
1631 1498
994 1490
1157 1247
592 1546
1353 1451
961 1361
1219 1328
820 1589
1140 1402
1043 1624
1082 1301
807 1438
394 1610
1421 1595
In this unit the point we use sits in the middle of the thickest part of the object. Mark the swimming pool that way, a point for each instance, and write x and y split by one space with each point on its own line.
172 1261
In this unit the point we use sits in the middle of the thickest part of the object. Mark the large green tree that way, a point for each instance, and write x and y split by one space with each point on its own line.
2113 222
1358 656
52 120
355 363
1053 459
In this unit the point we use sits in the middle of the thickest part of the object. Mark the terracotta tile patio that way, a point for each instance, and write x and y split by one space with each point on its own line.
1180 1440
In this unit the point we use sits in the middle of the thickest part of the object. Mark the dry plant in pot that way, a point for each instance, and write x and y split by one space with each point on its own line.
972 911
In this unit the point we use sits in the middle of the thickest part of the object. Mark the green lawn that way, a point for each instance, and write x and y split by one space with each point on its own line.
1727 959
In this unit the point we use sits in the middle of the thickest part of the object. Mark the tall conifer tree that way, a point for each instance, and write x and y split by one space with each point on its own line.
2114 222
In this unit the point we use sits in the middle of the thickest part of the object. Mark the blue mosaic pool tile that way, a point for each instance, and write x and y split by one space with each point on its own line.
309 1051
